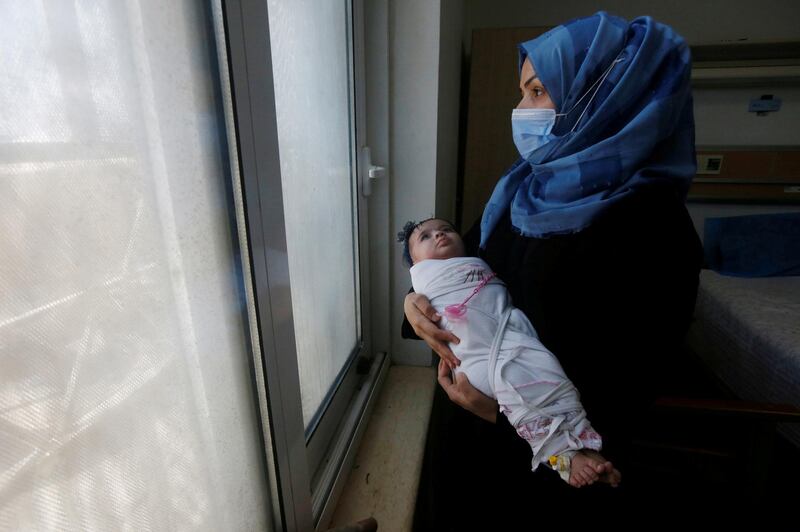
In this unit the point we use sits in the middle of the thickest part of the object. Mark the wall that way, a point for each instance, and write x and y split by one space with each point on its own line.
722 116
450 47
376 36
710 21
424 57
414 40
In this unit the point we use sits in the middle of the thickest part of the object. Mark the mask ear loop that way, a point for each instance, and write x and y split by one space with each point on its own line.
597 84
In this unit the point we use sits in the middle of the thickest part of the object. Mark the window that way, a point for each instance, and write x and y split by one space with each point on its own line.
294 78
183 263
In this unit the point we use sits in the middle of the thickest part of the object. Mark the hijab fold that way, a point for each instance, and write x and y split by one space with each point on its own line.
637 132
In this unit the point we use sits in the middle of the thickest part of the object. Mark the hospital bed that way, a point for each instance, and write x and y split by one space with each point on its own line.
747 333
739 387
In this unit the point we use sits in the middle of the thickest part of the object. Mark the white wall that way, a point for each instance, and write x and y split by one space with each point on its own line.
376 36
412 130
722 118
414 83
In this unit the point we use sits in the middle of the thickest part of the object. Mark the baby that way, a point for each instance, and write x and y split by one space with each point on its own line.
501 354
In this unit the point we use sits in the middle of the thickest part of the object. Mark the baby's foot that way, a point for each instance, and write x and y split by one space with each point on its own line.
589 466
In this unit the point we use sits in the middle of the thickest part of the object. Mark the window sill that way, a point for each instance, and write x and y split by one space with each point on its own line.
384 479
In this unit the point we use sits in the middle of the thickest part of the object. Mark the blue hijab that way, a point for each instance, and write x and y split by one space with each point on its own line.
637 132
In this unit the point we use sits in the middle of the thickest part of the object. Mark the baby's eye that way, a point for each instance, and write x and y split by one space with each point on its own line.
423 236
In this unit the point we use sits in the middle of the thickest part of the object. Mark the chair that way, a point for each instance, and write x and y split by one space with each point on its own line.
706 443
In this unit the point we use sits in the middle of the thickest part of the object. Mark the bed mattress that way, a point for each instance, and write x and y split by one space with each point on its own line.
747 330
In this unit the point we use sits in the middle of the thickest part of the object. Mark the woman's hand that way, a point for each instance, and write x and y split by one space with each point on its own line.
423 318
465 395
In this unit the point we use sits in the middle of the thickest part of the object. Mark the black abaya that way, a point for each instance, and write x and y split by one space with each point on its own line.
612 302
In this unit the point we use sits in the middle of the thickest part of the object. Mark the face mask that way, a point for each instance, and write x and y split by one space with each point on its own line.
531 129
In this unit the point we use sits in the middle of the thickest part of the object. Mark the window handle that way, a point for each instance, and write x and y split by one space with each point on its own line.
369 172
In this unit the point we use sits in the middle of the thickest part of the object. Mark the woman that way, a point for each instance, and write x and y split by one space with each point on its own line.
590 233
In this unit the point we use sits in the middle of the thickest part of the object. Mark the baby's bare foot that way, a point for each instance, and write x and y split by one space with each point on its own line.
589 466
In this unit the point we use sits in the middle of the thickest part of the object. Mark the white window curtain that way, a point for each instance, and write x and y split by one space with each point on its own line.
126 401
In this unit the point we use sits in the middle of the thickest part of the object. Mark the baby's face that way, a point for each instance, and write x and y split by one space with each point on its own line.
435 239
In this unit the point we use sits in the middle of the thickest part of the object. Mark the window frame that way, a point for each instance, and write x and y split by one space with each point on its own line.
308 467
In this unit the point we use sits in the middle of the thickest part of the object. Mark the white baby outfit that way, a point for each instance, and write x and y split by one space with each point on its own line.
502 356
